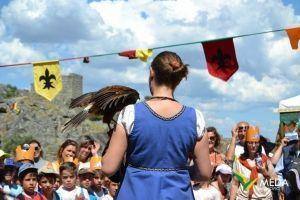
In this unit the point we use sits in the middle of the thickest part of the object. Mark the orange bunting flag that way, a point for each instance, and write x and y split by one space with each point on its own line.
14 107
142 54
294 36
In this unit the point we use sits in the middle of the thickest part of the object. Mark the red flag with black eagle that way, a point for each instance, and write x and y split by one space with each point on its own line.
220 58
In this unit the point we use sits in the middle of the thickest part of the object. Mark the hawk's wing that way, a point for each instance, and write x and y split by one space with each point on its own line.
113 99
82 100
107 101
80 117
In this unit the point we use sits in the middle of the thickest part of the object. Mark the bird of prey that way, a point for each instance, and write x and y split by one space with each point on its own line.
106 102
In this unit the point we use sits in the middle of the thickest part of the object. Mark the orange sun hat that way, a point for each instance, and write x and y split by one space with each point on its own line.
252 134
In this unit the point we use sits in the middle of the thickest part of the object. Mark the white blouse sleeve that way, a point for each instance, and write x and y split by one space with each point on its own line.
126 118
200 123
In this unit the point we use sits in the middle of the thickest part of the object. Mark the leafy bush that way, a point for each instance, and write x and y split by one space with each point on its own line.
11 91
10 144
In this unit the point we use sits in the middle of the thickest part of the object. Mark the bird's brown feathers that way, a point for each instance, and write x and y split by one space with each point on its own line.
107 102
82 100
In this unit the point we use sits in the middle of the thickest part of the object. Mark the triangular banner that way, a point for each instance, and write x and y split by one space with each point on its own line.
220 58
129 54
294 36
47 79
142 54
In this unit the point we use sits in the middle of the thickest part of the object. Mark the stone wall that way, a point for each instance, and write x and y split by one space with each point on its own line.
72 88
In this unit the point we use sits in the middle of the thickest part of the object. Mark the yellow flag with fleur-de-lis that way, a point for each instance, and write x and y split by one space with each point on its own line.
47 79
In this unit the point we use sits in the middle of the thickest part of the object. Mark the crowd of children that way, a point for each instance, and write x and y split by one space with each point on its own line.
21 179
79 177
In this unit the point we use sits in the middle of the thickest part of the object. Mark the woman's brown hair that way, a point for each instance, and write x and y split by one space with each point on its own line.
86 140
63 146
39 144
218 137
169 69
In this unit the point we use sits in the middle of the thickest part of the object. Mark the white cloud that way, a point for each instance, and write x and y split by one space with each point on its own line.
243 87
223 125
2 29
126 17
128 75
55 21
279 51
247 88
14 52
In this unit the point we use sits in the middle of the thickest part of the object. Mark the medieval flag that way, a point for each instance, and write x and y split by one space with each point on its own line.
294 36
142 54
14 107
220 58
47 79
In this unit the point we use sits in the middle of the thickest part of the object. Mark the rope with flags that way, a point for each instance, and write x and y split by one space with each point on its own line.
219 54
167 46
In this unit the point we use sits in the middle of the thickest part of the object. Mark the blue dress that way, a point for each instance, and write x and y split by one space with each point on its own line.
157 156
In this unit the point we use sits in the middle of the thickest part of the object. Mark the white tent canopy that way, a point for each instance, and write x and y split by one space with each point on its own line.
290 105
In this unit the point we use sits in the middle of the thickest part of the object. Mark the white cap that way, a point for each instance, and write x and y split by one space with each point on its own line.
224 169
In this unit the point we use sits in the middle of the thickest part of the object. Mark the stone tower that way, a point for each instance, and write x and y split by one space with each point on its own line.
72 88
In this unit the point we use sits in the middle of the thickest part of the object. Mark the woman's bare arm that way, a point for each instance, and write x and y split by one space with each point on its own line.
275 158
271 170
231 149
234 188
202 160
114 155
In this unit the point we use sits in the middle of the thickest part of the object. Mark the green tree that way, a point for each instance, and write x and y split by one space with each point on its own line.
9 144
10 91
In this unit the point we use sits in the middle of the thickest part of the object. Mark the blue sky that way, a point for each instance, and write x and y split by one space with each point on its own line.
269 69
294 3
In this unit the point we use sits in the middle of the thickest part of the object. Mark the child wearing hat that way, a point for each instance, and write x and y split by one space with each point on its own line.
3 155
68 190
28 175
47 178
9 190
222 177
112 189
85 180
85 177
24 154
